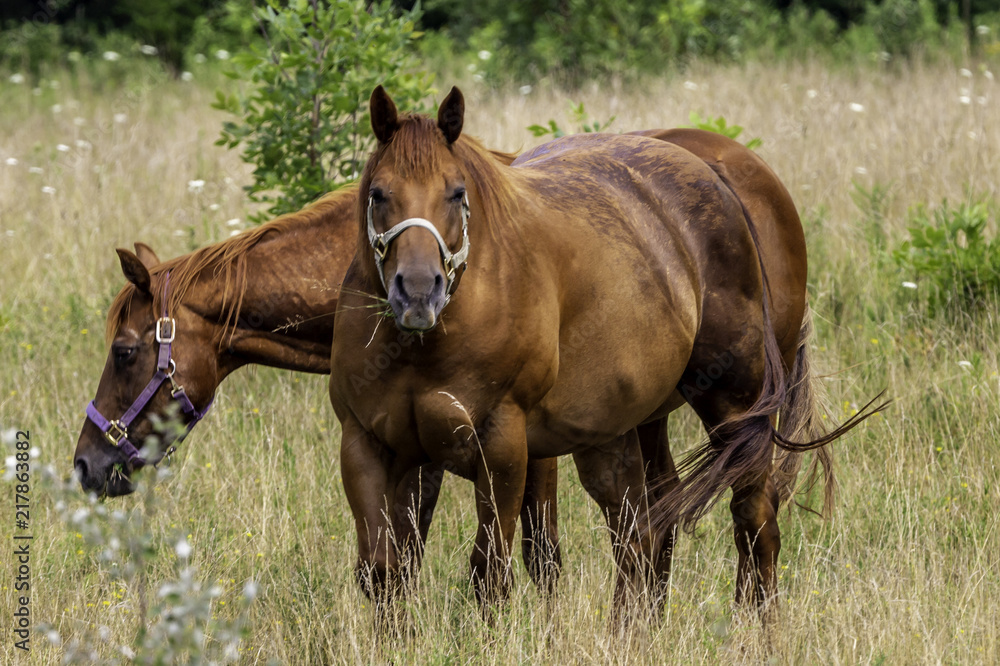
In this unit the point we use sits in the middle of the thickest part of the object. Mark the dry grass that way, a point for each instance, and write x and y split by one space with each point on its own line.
907 572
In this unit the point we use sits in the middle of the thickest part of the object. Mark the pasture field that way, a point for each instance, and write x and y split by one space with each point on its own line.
907 571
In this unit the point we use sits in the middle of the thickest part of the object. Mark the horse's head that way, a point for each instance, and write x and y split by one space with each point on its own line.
414 183
160 368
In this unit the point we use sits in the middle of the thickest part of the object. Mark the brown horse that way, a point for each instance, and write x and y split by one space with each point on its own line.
608 280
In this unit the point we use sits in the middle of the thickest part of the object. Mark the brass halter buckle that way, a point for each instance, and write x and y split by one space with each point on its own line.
116 432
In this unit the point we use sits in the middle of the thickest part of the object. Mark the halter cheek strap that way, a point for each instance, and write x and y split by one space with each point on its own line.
116 431
451 260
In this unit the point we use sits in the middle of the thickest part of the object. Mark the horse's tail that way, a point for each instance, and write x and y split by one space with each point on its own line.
799 419
741 449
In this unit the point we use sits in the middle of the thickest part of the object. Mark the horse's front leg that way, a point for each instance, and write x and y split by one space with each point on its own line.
416 498
500 479
365 468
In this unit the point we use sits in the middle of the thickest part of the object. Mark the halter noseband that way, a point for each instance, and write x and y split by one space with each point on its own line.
116 431
451 260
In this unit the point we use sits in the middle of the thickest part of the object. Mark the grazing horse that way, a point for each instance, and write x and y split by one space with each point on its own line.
564 304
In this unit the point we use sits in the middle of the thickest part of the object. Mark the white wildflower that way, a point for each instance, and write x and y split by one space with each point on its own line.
910 285
857 108
222 54
965 364
690 85
200 58
17 78
148 49
964 99
62 148
11 161
183 549
196 186
48 190
79 122
811 94
187 77
56 108
525 90
965 72
35 170
120 118
484 55
235 222
111 56
861 171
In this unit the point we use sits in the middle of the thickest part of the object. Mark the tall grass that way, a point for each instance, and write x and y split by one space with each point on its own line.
907 571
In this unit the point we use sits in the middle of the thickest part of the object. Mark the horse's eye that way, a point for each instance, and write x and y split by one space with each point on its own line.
123 355
458 195
376 194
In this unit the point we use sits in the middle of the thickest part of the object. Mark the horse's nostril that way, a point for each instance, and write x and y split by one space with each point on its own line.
399 285
438 281
81 469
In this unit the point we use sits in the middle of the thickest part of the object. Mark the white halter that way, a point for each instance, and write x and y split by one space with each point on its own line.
380 243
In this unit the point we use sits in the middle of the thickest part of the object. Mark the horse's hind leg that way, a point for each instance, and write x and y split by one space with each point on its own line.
755 507
745 443
613 476
539 528
729 382
661 478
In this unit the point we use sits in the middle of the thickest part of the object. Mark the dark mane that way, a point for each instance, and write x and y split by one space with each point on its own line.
415 145
227 258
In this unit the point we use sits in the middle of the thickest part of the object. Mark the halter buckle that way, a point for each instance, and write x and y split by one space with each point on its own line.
170 327
380 246
116 432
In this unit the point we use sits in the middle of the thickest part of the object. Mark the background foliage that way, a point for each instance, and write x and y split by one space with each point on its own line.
304 122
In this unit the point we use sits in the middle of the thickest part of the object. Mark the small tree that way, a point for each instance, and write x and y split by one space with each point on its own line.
305 124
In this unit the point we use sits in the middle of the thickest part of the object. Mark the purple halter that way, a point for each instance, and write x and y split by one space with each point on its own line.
116 430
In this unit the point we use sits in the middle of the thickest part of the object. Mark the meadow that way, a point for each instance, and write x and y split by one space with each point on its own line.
906 571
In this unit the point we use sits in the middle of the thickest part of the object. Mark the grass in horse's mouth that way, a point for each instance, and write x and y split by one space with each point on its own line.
381 305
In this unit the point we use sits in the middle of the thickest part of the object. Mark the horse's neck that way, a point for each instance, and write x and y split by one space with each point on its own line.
287 311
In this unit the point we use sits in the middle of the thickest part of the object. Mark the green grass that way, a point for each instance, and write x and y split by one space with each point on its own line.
907 571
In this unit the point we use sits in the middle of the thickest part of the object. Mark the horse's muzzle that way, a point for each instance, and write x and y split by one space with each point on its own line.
417 300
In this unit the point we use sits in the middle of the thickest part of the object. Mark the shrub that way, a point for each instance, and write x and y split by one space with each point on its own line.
581 119
305 124
720 126
950 258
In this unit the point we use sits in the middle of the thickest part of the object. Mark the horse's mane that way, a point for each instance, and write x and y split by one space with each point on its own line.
415 147
227 258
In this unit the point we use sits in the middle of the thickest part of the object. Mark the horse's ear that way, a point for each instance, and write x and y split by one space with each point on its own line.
451 115
134 270
146 255
385 120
